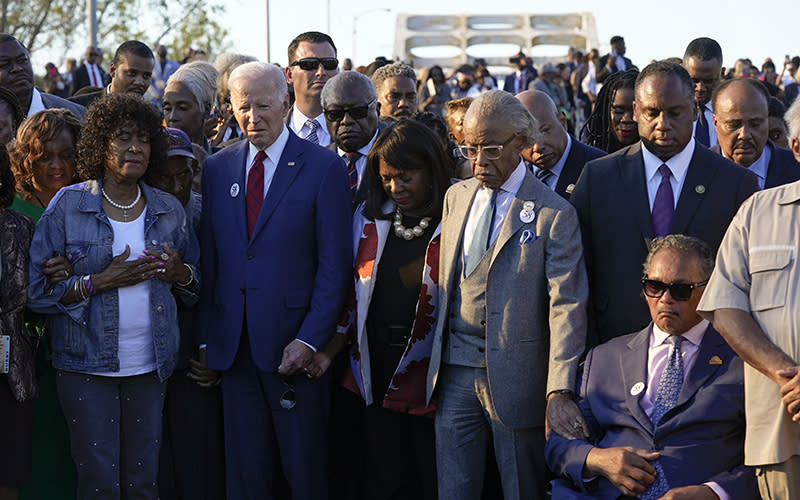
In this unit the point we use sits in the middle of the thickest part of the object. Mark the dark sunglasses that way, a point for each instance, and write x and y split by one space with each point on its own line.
312 63
356 112
679 291
289 397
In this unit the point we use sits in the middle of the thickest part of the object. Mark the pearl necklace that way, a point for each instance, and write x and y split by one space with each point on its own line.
124 208
403 232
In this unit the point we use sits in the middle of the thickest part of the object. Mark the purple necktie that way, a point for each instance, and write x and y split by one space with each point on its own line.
664 204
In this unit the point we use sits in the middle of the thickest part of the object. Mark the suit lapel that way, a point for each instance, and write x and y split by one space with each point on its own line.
512 222
236 177
712 346
289 165
698 178
633 182
454 233
634 371
568 176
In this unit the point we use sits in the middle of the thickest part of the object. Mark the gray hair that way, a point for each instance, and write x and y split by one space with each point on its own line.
347 79
391 71
683 244
792 119
200 78
261 71
504 104
225 63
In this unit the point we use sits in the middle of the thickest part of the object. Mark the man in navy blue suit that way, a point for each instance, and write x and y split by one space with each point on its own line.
277 256
741 118
556 158
664 407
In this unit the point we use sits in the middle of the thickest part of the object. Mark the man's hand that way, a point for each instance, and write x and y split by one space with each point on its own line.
320 362
790 391
698 492
296 356
564 418
627 468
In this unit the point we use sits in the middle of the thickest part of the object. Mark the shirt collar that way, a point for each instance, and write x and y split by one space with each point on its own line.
299 120
759 167
694 334
678 164
36 103
274 150
364 150
514 181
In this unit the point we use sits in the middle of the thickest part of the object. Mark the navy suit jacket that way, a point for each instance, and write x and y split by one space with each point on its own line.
782 168
602 70
508 83
53 101
701 439
579 154
80 78
616 226
294 271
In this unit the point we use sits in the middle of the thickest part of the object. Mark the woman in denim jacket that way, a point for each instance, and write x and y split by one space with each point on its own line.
113 320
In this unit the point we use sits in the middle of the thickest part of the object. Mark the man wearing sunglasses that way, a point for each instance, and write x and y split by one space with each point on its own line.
350 107
512 308
312 62
665 406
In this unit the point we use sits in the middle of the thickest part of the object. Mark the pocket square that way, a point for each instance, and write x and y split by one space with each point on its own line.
526 237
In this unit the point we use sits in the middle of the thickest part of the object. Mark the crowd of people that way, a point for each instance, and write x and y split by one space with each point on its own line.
244 280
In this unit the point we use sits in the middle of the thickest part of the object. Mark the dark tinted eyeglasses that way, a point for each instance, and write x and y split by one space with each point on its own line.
679 291
356 112
312 63
288 398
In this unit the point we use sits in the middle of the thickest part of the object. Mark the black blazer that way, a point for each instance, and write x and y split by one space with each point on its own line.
616 225
579 154
782 168
80 78
604 72
508 83
86 99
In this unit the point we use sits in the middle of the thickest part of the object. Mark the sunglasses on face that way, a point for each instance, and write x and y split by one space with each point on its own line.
679 291
312 63
356 112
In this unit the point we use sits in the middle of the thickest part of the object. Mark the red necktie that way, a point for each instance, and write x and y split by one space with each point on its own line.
352 173
255 192
95 76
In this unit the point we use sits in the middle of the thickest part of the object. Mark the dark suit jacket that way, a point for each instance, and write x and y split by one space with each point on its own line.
80 78
604 72
508 84
782 168
86 99
616 225
52 101
790 94
700 440
295 269
579 154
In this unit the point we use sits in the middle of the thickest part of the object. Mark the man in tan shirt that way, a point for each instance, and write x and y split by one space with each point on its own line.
753 298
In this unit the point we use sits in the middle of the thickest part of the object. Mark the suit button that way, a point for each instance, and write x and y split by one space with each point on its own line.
250 256
483 323
160 308
480 349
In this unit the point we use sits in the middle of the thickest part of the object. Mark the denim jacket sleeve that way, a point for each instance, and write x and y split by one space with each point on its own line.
189 250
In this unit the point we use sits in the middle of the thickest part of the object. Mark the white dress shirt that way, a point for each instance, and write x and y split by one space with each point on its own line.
298 125
760 166
505 195
273 152
712 132
36 103
678 165
556 169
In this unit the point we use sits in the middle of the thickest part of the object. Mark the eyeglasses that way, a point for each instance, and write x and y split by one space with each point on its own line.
288 398
356 112
312 63
679 291
492 152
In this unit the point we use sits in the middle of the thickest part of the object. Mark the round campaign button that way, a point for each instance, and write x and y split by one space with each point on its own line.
637 388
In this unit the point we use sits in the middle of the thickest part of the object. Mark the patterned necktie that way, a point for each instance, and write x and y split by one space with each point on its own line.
701 132
669 387
543 174
352 172
312 136
664 204
480 239
255 192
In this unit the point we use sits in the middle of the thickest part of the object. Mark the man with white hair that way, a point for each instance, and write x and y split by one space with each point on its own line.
277 259
792 118
513 295
397 90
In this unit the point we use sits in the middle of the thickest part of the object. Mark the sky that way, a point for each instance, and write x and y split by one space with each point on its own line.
741 30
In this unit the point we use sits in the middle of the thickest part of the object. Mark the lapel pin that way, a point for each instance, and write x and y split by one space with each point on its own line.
637 388
528 206
291 164
526 236
699 189
715 360
234 190
526 216
570 188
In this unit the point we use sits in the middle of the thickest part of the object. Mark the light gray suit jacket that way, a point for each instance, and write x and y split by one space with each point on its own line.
536 299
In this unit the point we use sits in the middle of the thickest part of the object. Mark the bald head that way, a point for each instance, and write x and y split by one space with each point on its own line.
552 140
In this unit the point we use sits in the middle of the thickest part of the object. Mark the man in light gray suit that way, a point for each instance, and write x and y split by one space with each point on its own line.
512 311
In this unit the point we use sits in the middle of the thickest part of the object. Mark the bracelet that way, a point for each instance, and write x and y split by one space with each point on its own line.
191 277
87 284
